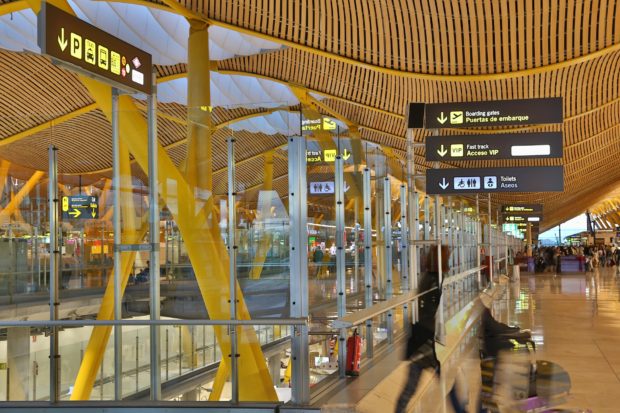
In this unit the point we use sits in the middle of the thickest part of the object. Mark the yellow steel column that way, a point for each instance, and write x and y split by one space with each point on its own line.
19 197
93 356
266 240
205 247
4 172
199 163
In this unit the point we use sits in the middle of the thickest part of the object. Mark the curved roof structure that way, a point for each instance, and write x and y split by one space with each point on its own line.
362 60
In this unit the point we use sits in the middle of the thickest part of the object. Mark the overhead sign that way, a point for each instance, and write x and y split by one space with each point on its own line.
523 179
320 124
80 207
86 48
326 155
496 146
493 113
522 209
517 219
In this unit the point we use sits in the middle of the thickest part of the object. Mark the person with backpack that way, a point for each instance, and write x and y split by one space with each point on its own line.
420 349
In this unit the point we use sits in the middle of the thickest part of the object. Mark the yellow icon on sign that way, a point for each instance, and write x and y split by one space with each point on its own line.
329 124
456 150
456 118
76 46
103 58
329 155
115 63
65 203
89 52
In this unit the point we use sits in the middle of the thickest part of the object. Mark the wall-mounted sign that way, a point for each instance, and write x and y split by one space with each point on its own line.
523 179
496 146
85 48
80 207
493 113
513 219
325 188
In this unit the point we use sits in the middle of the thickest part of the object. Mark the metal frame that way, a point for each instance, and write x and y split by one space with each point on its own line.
232 266
387 239
340 257
368 258
300 376
54 271
154 242
116 226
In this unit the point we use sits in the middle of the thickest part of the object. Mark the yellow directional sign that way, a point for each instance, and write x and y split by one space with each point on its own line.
346 154
85 48
329 155
80 207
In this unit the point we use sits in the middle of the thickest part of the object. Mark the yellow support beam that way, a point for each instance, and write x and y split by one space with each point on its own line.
47 125
266 239
21 194
93 355
205 246
13 7
4 175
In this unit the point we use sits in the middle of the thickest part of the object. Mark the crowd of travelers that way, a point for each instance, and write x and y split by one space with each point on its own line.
548 259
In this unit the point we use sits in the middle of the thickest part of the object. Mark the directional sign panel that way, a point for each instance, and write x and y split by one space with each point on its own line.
80 207
493 113
86 48
496 146
522 209
522 219
525 179
325 188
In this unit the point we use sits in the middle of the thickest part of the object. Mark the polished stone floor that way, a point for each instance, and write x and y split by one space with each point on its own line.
575 320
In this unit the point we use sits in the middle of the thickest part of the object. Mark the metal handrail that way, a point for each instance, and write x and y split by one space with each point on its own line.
458 277
358 317
85 323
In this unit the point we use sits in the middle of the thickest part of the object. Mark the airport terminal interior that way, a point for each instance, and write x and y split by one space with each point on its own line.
310 205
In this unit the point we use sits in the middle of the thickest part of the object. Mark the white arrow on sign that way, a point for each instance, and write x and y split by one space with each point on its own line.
442 152
346 187
62 42
442 119
443 184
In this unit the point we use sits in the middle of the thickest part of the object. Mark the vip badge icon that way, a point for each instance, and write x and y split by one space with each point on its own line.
329 155
456 150
456 117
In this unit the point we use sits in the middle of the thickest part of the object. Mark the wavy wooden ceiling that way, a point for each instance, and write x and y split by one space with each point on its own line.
370 58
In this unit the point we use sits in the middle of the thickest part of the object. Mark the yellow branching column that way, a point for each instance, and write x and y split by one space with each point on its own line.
266 238
19 197
199 162
93 355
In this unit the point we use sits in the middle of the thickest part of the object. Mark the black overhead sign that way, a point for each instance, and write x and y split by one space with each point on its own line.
493 113
522 219
522 209
80 207
495 146
489 180
85 48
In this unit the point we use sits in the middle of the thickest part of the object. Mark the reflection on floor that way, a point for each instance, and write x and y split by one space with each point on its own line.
575 321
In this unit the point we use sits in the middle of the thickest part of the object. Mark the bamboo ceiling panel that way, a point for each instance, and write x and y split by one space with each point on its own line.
369 59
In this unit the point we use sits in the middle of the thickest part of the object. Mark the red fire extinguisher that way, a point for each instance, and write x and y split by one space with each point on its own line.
354 354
